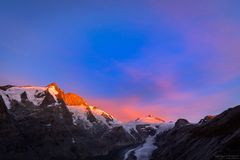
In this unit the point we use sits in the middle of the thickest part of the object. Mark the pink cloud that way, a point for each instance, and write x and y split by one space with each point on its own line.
207 31
221 39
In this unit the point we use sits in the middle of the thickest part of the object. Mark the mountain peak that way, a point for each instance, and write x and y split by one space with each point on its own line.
53 84
149 119
54 89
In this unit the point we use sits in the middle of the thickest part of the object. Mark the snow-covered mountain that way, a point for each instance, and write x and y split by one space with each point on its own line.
40 110
145 125
34 95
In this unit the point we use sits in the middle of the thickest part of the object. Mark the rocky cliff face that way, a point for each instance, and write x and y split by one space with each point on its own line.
72 99
217 138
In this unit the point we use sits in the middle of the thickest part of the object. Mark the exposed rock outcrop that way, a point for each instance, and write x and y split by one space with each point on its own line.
69 98
181 122
73 99
206 119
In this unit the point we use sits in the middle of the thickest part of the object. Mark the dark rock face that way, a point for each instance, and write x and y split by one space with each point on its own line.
3 110
145 130
107 117
6 87
181 122
48 99
215 139
119 137
90 116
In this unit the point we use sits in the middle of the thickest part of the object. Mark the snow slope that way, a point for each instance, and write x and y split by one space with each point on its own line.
80 113
144 152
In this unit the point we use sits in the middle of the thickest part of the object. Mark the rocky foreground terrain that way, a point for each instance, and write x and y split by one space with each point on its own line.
214 137
47 123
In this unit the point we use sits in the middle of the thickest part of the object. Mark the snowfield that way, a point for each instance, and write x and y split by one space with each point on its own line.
14 93
80 114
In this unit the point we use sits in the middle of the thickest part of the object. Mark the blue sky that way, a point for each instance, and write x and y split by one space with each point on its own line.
131 58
